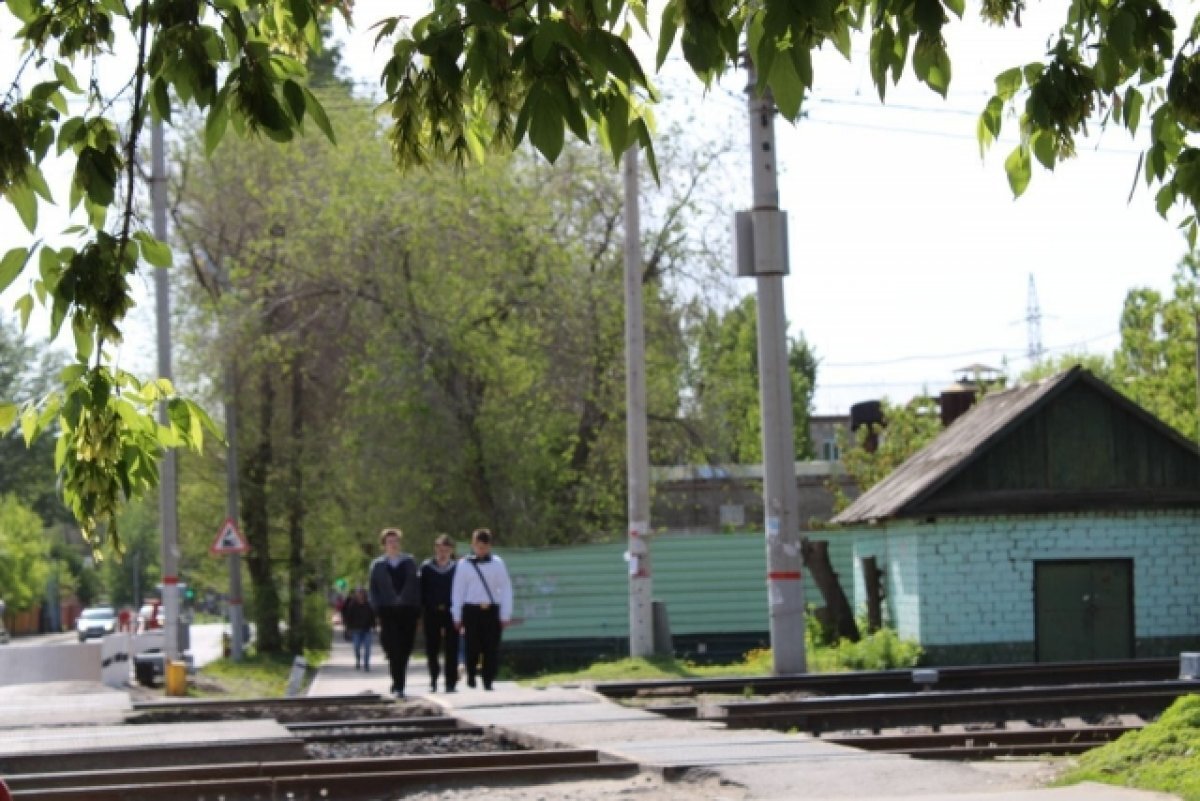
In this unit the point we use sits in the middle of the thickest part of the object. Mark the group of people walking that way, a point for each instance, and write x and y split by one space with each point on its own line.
469 598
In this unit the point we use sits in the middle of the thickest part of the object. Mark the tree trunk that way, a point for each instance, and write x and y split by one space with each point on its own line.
873 577
296 510
256 469
839 615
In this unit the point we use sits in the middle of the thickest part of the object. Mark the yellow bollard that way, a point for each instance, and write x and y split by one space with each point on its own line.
176 678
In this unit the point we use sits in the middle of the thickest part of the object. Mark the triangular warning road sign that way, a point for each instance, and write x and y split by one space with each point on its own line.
229 540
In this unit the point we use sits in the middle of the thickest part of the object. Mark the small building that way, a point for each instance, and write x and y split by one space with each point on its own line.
1053 521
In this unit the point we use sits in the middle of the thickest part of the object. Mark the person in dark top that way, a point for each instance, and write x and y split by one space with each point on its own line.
441 636
395 594
358 618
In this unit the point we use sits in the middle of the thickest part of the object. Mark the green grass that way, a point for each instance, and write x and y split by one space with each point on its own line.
1164 756
256 676
878 651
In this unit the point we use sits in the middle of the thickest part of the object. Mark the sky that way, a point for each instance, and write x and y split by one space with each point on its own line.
909 256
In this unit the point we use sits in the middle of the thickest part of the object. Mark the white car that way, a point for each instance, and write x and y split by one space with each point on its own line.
96 621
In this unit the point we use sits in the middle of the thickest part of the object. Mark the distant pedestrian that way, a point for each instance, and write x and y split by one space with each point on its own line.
358 618
395 595
441 636
482 607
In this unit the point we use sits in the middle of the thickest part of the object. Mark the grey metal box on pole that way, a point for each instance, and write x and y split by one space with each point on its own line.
761 242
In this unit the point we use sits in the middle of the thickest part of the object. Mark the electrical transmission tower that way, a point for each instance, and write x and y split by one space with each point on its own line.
1033 319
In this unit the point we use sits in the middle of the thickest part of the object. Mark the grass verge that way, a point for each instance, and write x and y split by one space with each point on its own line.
256 676
879 651
1164 756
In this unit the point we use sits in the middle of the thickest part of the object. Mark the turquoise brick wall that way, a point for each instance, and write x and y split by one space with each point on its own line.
711 583
968 581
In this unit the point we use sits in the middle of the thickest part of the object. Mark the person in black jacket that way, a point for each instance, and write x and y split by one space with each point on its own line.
395 595
358 618
441 636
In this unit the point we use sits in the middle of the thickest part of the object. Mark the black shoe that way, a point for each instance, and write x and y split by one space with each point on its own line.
450 689
470 681
433 686
487 687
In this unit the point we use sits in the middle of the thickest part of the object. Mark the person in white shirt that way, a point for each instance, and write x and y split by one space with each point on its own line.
481 602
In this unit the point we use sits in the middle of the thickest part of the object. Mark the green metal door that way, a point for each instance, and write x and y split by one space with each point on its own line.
1083 609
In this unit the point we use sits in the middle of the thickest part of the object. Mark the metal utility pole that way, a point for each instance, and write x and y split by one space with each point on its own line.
641 607
168 513
762 252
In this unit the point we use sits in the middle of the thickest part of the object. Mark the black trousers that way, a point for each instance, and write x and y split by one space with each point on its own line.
397 628
441 642
482 629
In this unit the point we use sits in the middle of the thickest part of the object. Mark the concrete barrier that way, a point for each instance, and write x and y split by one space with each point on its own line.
35 664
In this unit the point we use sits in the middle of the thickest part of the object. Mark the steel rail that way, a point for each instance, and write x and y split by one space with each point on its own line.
989 742
875 712
959 677
342 786
431 722
302 767
364 699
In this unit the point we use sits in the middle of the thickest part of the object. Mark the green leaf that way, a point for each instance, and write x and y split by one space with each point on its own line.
294 96
956 7
1042 143
545 124
11 265
158 254
8 414
787 88
317 112
160 100
1019 169
1008 83
23 199
85 343
1133 108
882 42
29 426
217 122
66 78
24 305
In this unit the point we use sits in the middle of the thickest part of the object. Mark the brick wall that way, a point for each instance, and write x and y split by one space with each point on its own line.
969 581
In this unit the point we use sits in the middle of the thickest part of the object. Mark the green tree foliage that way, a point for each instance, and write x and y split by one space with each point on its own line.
907 428
725 386
23 552
408 351
28 472
1155 364
463 78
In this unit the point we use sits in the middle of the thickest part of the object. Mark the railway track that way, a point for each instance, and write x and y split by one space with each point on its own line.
969 677
302 780
906 711
299 766
937 708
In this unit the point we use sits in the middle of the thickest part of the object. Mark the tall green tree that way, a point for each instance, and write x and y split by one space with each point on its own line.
23 552
1155 363
466 77
725 385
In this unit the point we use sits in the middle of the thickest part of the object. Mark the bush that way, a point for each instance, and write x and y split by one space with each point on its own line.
882 650
318 624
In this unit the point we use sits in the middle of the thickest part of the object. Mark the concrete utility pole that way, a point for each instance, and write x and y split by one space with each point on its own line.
168 513
641 607
762 252
236 613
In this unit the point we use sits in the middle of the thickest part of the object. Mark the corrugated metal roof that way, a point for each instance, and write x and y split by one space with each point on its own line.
951 450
